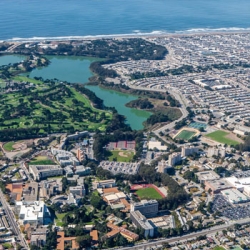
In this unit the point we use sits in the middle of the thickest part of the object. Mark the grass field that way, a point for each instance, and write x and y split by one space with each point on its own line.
42 160
185 135
218 248
9 146
148 193
220 136
58 219
121 155
51 108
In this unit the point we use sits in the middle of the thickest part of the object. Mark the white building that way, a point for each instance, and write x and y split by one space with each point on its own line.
32 213
234 196
188 150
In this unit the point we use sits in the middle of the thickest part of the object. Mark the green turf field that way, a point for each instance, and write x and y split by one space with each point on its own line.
148 194
220 136
42 160
121 155
9 146
185 135
218 248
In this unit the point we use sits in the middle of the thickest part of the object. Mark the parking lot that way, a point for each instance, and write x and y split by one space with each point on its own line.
232 212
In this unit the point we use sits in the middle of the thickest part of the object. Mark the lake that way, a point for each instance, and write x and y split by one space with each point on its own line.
6 59
76 70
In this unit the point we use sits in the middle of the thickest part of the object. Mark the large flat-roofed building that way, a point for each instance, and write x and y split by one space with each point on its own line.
141 221
234 196
217 186
30 192
104 184
147 208
32 213
43 171
207 176
78 190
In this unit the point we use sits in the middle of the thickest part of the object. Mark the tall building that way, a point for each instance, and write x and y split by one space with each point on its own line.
188 150
163 166
147 208
216 151
141 221
173 159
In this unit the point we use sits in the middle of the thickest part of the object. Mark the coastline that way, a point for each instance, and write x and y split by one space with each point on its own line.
154 34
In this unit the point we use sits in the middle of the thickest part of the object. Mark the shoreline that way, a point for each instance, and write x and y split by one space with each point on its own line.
124 36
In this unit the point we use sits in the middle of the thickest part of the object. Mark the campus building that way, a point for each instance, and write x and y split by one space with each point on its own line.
147 208
173 159
216 151
141 221
188 150
78 190
43 171
33 213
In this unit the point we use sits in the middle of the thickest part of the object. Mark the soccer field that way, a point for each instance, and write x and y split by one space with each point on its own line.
185 135
220 136
148 193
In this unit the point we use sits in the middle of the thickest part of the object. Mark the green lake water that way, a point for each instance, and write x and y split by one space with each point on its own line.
112 98
6 59
76 70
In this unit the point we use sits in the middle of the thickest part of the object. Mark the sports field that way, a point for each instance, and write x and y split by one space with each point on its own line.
185 135
221 137
42 160
148 194
121 155
9 146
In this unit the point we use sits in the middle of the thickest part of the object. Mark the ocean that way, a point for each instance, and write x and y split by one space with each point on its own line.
66 19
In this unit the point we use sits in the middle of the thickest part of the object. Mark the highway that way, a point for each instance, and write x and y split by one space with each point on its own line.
12 221
158 243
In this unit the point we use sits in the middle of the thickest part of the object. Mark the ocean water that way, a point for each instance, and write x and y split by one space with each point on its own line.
69 18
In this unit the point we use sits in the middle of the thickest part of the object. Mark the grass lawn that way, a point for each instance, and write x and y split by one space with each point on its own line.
220 136
58 219
121 155
42 160
185 135
9 146
148 194
219 248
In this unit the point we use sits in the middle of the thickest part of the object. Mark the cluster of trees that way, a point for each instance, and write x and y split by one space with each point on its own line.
140 103
244 146
191 176
157 118
172 101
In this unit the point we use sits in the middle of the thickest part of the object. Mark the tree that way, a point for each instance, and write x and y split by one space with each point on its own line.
84 241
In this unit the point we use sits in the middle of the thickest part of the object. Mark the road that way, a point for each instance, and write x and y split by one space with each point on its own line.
183 109
149 245
12 221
